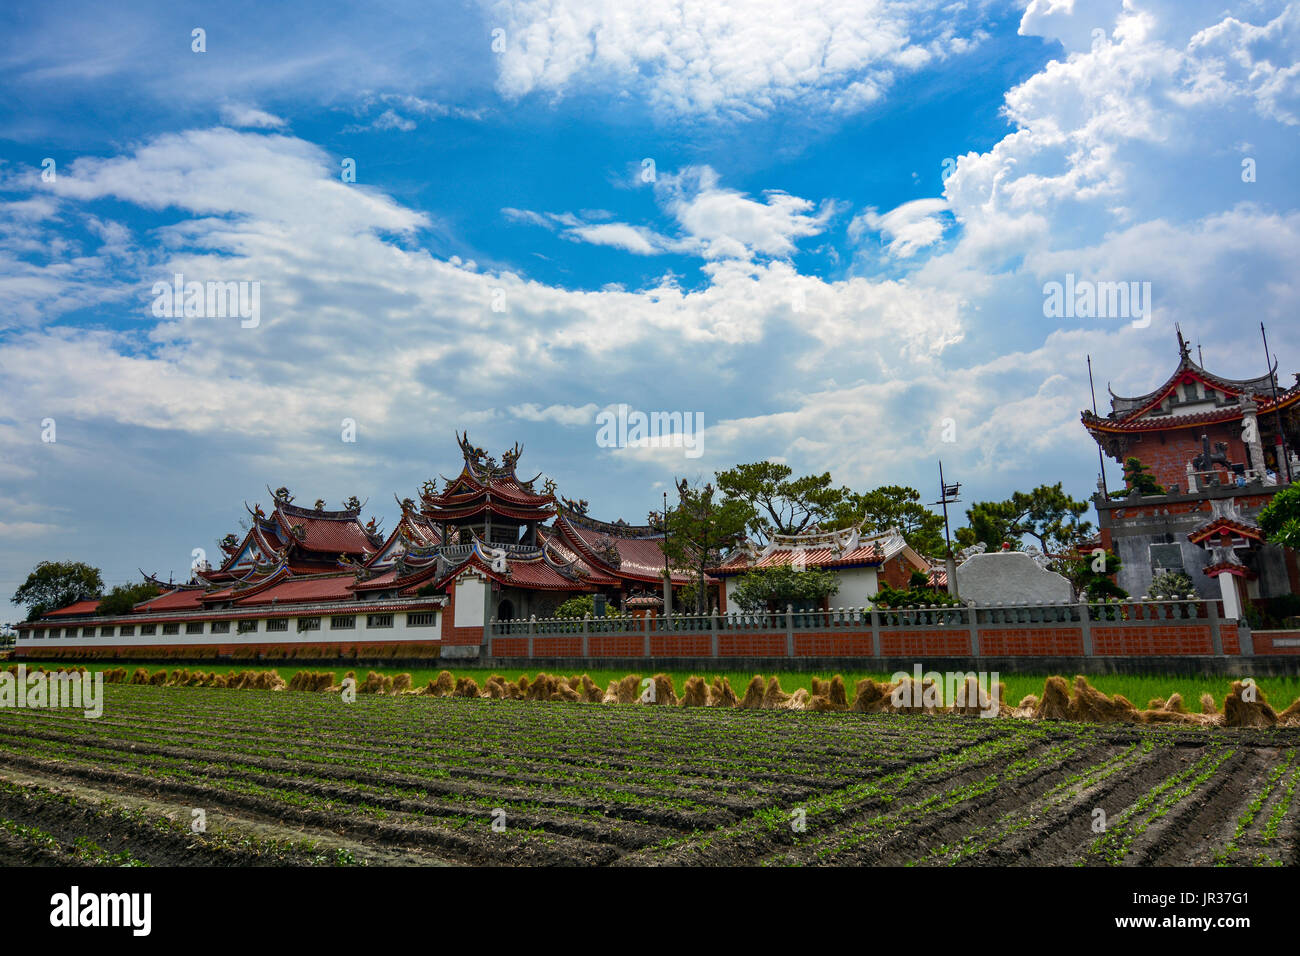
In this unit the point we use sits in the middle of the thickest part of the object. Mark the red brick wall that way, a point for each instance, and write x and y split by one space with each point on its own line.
832 645
616 645
1167 453
681 645
509 647
1160 639
936 643
1264 642
451 634
1034 641
554 646
751 645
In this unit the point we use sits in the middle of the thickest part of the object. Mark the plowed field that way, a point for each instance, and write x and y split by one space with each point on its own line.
301 779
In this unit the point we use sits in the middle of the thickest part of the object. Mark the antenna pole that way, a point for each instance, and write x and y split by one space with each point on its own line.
1281 432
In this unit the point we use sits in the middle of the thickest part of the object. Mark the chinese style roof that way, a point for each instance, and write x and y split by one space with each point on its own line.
483 485
1179 403
622 551
78 608
830 549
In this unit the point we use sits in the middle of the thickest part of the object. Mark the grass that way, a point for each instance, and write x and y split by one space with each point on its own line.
1138 688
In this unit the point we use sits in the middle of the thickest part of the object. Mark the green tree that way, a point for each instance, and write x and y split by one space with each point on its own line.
121 599
701 529
781 504
783 585
895 506
914 594
1171 584
56 584
583 605
1093 576
1138 477
1280 519
1046 514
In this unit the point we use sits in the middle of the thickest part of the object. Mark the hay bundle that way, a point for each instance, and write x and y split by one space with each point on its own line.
495 688
721 694
796 701
159 679
465 687
1239 712
1092 706
219 680
373 684
970 699
665 694
819 703
819 688
522 686
753 699
115 676
1027 708
628 690
543 687
591 692
695 693
575 681
1291 716
910 696
564 692
1055 702
1207 704
870 697
839 696
270 680
774 698
444 685
402 683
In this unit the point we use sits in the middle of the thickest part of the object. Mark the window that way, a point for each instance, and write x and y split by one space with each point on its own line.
379 620
194 627
422 619
308 624
107 630
68 631
220 627
247 627
278 624
343 622
128 630
148 628
171 628
87 632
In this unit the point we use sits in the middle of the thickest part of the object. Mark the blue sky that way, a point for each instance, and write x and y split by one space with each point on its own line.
853 211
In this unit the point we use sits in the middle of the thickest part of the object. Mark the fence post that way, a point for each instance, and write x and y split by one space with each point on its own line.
789 630
713 631
532 629
875 630
1085 625
1216 637
973 622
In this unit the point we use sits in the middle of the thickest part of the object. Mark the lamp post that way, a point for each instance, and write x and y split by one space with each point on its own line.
668 579
948 494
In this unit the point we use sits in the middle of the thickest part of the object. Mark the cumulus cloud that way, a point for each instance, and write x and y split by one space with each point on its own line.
249 117
906 229
744 58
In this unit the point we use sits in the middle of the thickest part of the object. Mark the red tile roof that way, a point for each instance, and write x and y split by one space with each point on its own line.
332 536
185 599
80 607
319 587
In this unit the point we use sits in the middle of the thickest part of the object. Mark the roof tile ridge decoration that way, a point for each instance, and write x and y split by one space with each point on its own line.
619 528
280 573
170 586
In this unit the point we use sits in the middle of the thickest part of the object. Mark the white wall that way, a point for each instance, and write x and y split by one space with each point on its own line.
400 631
471 592
857 587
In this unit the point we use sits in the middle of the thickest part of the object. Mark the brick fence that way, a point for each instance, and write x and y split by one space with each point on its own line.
1132 628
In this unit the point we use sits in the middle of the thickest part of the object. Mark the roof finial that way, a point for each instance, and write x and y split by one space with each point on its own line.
1182 344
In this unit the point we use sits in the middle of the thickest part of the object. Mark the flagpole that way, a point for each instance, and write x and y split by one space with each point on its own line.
1281 432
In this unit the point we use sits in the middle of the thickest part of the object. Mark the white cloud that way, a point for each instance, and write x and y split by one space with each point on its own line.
907 229
560 414
742 58
248 117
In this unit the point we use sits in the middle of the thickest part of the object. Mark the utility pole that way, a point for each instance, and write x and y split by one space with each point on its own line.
948 493
1285 463
668 578
1101 459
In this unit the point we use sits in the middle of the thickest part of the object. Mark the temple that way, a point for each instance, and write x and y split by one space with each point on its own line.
1216 450
485 545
